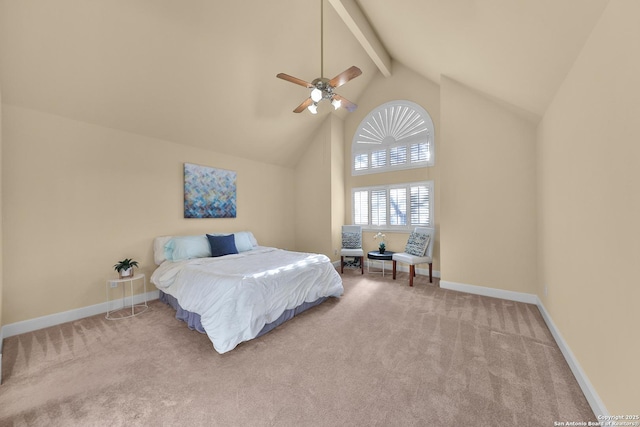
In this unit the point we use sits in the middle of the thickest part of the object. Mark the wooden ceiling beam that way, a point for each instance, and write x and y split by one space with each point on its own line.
351 14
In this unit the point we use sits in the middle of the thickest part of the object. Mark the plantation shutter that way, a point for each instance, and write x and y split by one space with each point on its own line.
378 207
420 202
361 208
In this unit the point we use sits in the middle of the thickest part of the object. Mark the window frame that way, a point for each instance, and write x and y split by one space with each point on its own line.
387 188
388 127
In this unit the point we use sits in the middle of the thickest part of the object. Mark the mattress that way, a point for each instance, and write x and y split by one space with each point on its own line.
237 295
193 319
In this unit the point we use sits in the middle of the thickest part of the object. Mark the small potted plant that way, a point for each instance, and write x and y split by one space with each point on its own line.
381 245
125 267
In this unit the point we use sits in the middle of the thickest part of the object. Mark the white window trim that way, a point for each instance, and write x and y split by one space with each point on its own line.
388 227
389 133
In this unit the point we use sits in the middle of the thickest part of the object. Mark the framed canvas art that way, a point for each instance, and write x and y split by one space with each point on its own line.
209 192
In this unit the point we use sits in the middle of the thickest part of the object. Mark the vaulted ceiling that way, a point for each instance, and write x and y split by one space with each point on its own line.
202 72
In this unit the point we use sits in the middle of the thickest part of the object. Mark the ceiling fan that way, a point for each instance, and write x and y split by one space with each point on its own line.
323 88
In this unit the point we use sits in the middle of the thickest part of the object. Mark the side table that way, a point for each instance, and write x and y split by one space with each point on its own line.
115 283
377 256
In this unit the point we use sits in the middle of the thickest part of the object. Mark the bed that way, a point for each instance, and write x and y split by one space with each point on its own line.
235 293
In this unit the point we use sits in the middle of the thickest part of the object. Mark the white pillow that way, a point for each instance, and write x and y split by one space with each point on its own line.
158 248
243 241
254 242
187 247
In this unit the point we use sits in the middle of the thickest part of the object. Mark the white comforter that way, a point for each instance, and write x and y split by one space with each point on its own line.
236 295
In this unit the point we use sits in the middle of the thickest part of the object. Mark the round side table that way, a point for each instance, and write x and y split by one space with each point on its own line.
377 256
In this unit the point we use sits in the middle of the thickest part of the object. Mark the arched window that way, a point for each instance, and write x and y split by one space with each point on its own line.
395 135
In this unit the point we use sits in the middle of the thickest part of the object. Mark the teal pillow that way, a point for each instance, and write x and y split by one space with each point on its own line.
243 241
187 247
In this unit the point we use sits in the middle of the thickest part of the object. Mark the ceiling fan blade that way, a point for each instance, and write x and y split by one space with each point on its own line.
295 80
304 105
345 103
345 76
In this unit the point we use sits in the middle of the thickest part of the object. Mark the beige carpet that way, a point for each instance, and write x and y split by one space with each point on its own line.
384 354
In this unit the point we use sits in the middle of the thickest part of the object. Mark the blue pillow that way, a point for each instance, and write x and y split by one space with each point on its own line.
222 245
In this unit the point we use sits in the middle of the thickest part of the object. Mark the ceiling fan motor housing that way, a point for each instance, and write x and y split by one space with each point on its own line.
322 84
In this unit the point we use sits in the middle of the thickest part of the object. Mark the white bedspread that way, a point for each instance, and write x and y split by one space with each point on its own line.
236 295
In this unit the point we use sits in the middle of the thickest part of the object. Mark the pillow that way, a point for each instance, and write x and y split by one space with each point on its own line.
417 244
253 239
187 247
158 248
222 245
351 240
243 241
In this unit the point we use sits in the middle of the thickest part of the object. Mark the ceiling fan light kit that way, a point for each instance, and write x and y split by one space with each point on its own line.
323 88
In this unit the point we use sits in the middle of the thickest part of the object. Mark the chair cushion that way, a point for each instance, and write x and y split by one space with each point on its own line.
351 240
410 259
417 244
351 252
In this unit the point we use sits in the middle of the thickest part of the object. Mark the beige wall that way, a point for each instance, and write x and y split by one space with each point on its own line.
1 228
589 206
337 184
313 193
79 197
407 85
487 163
319 190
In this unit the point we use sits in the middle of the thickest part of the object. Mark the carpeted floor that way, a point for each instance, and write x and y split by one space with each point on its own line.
384 354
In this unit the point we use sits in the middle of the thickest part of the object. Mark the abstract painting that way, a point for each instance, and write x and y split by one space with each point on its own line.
209 192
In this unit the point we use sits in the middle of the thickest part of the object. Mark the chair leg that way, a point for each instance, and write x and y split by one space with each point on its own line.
412 273
361 265
430 273
394 269
341 264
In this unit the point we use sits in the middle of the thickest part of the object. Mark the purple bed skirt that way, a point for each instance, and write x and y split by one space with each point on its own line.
193 319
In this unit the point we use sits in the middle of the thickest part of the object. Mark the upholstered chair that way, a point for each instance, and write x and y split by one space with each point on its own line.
352 245
419 250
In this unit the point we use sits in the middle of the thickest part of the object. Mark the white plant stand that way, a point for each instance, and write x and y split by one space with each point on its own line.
135 308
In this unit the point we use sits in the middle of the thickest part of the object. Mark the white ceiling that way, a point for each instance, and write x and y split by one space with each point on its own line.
202 72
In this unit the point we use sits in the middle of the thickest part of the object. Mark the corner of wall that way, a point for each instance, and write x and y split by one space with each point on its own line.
1 270
337 183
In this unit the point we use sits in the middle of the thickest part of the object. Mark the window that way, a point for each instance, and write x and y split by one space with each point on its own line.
396 135
399 206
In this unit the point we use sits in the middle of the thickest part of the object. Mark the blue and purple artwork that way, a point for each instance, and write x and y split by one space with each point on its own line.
209 192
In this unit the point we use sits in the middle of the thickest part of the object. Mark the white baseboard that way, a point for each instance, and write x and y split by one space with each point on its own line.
597 406
490 292
66 316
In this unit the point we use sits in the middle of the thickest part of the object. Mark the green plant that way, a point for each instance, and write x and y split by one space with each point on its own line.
125 264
